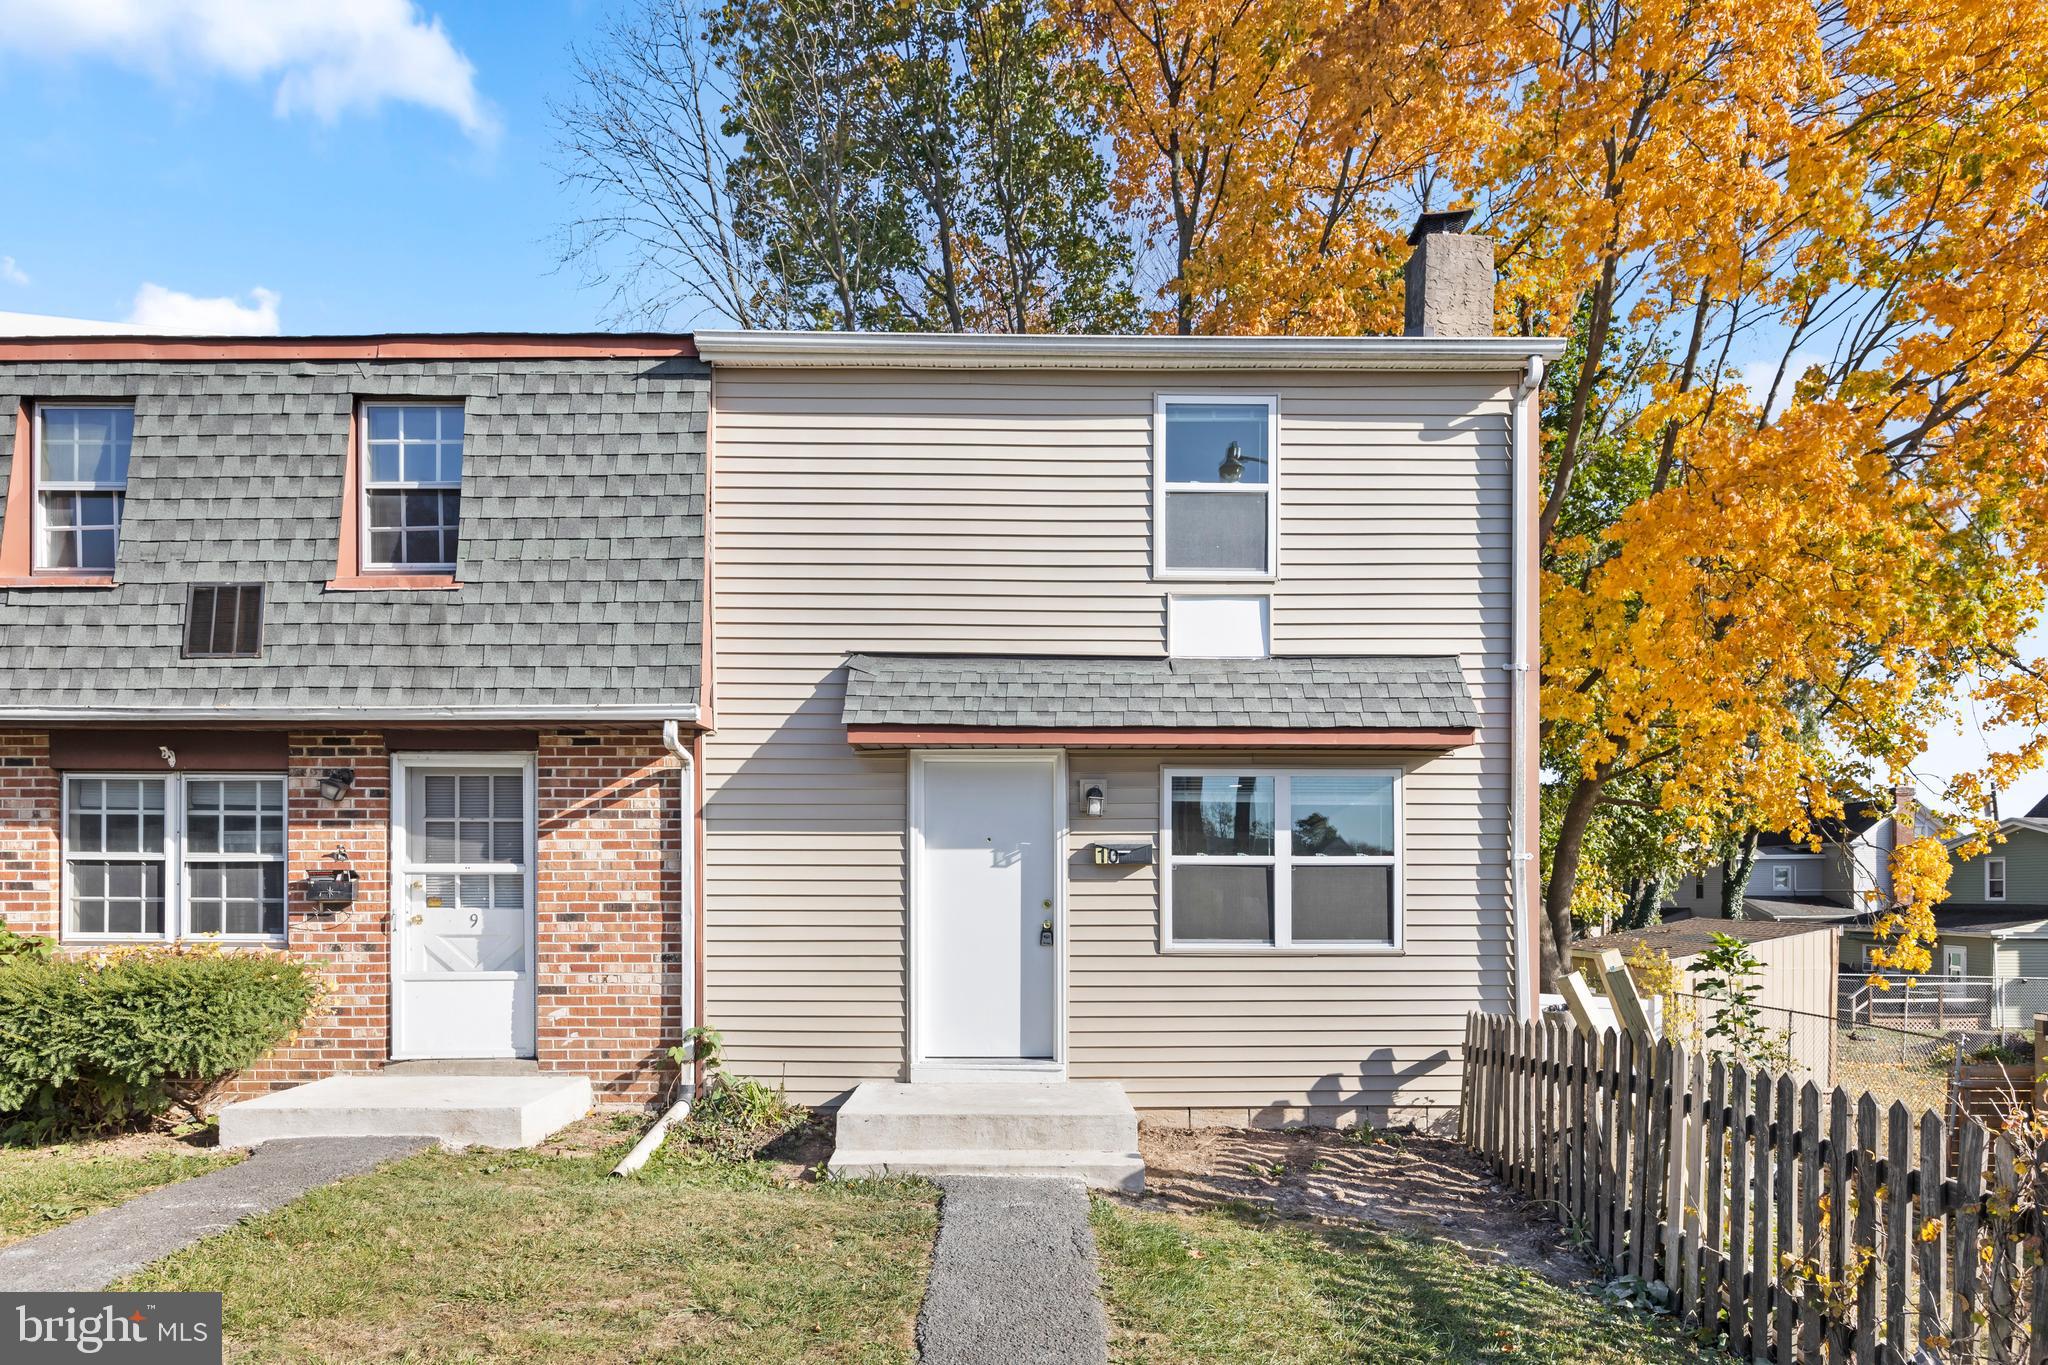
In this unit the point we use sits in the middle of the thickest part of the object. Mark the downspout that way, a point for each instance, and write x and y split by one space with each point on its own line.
1522 735
686 938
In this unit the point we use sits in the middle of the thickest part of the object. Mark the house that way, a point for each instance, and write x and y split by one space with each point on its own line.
1993 928
414 623
1840 870
1140 709
1151 714
1793 989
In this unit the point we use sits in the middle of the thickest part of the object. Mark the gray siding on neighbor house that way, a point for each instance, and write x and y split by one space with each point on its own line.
582 547
2026 873
1008 513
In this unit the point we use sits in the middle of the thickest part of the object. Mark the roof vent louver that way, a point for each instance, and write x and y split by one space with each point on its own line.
224 621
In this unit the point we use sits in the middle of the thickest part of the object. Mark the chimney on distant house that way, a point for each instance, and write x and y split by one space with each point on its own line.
1905 803
1450 278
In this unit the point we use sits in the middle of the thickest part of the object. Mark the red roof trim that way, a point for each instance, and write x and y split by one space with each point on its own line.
1237 737
421 346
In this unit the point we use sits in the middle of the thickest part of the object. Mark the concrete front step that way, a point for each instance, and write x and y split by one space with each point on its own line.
1101 1170
1085 1130
458 1111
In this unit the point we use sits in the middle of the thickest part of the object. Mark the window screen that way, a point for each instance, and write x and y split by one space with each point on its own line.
1215 506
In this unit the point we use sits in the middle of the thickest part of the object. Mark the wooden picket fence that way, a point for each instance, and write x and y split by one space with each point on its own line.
1800 1226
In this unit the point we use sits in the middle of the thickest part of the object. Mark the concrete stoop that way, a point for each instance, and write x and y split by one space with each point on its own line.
455 1110
1077 1130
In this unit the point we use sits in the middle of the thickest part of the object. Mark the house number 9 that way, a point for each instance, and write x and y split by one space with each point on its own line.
472 919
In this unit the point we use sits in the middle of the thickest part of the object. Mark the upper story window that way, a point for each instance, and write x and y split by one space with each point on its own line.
1994 879
1215 487
81 481
412 481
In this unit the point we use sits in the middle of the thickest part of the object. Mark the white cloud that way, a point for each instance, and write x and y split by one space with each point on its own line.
329 57
11 272
158 309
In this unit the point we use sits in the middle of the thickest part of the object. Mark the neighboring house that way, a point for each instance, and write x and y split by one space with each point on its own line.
1840 871
427 602
1138 709
1793 989
1993 928
1148 710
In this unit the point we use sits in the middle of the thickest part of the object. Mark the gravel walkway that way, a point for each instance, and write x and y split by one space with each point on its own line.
1013 1279
93 1252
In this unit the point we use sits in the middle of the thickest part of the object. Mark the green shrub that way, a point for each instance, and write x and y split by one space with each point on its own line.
104 1041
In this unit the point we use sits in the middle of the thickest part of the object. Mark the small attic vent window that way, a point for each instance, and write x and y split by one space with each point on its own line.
224 621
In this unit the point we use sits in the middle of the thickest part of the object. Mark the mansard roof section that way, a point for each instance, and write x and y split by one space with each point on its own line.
581 557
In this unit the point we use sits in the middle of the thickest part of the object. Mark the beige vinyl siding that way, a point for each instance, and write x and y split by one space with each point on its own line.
1010 513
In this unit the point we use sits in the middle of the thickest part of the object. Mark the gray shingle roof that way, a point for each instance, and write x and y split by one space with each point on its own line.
1313 692
581 556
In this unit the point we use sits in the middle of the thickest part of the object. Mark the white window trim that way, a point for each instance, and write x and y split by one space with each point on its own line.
1160 488
1952 956
1280 861
1782 878
1994 866
362 457
175 907
38 486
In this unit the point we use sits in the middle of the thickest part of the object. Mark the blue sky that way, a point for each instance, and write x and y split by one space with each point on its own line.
346 163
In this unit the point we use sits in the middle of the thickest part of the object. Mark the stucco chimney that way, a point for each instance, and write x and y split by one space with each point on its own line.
1450 278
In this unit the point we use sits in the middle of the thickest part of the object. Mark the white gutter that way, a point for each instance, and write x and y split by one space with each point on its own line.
231 715
897 350
1521 858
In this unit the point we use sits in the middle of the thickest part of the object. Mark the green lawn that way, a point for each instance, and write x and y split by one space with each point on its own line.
1221 1287
538 1257
43 1187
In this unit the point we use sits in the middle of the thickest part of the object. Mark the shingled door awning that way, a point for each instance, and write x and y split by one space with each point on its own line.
1336 701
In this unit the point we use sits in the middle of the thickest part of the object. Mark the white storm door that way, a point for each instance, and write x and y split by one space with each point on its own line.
465 935
986 878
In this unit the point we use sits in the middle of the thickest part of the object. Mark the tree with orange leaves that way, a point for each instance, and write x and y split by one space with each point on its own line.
1270 200
1795 495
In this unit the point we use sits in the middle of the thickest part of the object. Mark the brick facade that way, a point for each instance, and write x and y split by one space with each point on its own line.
610 819
29 805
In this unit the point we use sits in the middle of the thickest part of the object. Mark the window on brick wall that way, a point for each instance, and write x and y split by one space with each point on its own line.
184 856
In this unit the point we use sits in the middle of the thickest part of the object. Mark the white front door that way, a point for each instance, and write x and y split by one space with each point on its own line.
988 939
462 859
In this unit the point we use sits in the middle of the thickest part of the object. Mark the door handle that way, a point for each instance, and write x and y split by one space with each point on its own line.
415 919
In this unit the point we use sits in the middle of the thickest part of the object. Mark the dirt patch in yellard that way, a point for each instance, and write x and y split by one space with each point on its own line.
143 1142
1410 1183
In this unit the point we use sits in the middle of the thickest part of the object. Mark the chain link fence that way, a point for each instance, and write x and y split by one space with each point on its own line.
1910 1056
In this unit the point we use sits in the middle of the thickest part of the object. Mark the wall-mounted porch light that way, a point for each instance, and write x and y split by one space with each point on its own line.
335 783
1094 792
